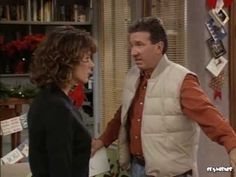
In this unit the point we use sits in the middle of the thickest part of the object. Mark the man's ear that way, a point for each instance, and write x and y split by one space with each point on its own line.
159 47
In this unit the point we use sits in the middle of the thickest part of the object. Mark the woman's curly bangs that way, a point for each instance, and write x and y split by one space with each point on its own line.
55 57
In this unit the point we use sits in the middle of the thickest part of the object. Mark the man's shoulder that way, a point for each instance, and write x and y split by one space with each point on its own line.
180 68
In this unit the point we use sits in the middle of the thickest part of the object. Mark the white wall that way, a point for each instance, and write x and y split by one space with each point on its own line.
210 153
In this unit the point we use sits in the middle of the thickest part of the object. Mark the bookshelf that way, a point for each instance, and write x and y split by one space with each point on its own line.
22 18
46 10
19 18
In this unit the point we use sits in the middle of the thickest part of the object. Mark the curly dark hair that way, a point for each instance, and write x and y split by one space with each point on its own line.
152 25
55 58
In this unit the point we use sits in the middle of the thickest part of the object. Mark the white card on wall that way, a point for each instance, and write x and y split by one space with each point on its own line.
24 147
10 126
12 157
215 66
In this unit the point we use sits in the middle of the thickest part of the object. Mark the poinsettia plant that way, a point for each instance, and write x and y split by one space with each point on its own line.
18 52
27 43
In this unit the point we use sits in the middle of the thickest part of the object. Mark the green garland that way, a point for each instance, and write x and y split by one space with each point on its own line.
18 91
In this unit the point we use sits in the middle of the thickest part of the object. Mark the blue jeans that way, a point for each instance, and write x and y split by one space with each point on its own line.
138 170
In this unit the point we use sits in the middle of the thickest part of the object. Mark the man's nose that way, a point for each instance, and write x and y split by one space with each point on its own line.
134 52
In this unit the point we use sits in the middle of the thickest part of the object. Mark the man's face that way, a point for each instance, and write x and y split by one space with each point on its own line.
145 54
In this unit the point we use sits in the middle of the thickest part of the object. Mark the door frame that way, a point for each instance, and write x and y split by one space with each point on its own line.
232 65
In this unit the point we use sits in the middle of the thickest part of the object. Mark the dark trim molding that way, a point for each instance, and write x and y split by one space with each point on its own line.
147 7
232 65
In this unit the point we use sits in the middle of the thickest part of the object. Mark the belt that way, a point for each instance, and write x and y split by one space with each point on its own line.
138 159
182 175
190 172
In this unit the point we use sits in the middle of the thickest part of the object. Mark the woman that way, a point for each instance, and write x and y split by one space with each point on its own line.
59 143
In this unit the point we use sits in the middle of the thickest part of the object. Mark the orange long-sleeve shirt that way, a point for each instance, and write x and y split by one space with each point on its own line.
195 105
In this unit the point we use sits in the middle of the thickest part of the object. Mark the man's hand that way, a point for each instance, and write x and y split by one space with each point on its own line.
96 145
232 156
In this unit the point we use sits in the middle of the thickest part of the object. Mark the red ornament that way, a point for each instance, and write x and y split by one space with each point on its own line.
217 93
77 95
211 3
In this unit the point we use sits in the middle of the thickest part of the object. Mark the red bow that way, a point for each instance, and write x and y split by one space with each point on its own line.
217 93
77 95
228 3
212 3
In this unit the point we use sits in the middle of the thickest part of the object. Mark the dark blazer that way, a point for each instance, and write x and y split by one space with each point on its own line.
59 143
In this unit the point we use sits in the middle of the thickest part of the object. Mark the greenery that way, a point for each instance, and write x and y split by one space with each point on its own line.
18 91
115 170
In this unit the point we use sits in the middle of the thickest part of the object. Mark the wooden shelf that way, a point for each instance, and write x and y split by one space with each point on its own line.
14 101
14 75
44 23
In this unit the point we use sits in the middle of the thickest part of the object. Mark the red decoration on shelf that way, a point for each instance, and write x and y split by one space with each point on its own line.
16 50
28 43
77 95
20 67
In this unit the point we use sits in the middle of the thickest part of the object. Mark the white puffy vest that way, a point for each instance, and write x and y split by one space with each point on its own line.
169 138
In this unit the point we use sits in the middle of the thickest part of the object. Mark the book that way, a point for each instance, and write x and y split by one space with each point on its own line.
22 13
41 11
1 12
47 11
34 10
13 12
7 12
75 12
18 12
62 15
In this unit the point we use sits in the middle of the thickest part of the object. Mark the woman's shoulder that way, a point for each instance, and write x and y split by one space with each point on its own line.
51 100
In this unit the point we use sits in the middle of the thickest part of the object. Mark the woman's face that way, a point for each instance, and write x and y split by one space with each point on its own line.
83 70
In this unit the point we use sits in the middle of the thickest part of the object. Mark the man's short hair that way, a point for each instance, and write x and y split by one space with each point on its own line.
152 25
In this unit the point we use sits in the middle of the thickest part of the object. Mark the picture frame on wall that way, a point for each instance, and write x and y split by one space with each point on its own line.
220 16
216 47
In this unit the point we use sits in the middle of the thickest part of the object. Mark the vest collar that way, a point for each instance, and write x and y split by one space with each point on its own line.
161 66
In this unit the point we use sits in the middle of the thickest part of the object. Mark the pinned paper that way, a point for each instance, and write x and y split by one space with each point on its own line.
215 66
23 120
24 148
219 5
219 16
217 33
12 157
99 163
216 47
10 126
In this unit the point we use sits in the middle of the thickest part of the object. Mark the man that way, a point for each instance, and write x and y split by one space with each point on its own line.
162 104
